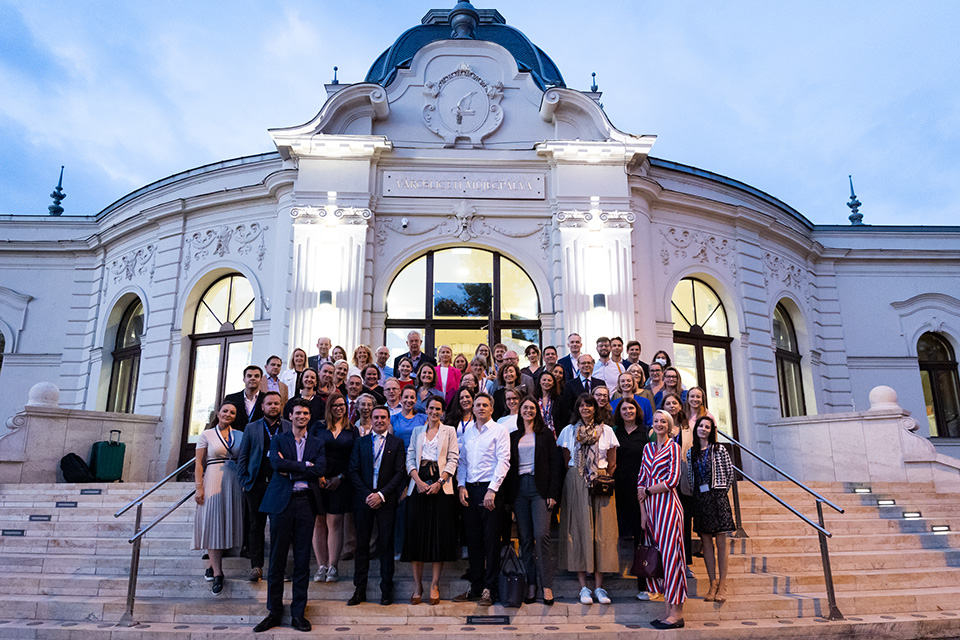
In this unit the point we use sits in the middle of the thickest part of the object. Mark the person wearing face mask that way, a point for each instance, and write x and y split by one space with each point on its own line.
710 472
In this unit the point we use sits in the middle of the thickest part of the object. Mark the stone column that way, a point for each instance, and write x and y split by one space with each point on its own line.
329 255
597 273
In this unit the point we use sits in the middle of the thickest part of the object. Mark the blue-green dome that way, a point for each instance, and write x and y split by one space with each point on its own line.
490 26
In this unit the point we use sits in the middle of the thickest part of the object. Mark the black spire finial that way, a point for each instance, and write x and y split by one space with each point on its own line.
464 19
855 217
335 81
58 195
594 87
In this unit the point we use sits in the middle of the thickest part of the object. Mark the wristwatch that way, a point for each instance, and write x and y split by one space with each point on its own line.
646 492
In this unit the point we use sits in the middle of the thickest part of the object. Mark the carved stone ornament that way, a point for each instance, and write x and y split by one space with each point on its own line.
464 224
462 106
134 263
777 269
218 242
345 215
698 246
606 219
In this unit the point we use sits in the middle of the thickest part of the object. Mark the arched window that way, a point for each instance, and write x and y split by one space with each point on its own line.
462 297
941 390
126 360
221 346
701 348
788 365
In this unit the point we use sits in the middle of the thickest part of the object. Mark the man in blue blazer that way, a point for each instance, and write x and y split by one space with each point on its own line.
569 362
292 500
254 472
378 473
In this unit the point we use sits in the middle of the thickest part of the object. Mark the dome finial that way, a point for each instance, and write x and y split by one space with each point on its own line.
58 195
856 217
335 81
464 20
594 87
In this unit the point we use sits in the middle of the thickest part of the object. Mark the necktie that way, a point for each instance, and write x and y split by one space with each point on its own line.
352 416
586 386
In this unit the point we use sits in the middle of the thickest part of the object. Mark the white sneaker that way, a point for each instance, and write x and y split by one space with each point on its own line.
321 574
332 574
586 596
602 596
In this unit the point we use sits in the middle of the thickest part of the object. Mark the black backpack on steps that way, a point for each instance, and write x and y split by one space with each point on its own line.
75 469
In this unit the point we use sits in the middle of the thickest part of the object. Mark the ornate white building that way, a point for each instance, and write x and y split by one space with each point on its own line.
464 191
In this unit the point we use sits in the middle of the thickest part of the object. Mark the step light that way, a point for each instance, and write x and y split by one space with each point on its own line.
911 515
886 503
862 490
940 528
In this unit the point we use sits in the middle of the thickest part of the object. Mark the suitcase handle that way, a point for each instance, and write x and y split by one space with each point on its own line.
114 440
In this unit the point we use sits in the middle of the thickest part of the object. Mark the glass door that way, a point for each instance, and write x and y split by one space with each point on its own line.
706 362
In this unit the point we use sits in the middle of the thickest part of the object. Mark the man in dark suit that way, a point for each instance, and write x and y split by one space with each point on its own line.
583 383
254 472
569 361
249 401
378 473
292 499
416 356
323 354
633 357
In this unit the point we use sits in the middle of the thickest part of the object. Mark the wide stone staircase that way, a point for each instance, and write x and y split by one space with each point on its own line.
895 554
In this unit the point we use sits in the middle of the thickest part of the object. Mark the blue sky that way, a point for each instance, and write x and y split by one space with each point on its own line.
787 97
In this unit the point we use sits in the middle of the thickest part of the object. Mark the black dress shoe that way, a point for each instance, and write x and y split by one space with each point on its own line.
269 622
356 599
548 602
301 624
657 624
386 599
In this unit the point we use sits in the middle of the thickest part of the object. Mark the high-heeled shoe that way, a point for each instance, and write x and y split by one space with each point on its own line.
434 599
712 592
415 599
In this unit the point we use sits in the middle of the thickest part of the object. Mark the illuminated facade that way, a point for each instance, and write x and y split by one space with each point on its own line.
464 191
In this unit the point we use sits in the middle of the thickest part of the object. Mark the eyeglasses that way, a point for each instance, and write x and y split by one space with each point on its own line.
339 405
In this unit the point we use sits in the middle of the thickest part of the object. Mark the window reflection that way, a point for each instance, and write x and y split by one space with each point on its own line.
406 297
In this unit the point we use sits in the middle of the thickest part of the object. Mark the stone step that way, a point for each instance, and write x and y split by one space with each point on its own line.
840 543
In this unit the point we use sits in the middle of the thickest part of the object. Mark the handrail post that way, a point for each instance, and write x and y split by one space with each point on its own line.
827 572
739 533
127 618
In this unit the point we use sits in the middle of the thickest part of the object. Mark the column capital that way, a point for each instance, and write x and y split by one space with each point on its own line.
596 219
330 215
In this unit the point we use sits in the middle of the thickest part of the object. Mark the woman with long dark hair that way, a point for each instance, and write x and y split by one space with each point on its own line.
460 413
533 488
549 401
336 493
711 472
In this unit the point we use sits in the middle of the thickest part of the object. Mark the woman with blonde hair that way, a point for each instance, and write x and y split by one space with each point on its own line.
661 516
293 377
362 356
696 405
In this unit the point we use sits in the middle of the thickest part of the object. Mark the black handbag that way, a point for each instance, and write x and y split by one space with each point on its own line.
512 583
647 562
602 486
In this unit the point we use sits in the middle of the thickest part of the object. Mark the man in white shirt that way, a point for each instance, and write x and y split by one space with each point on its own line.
606 368
484 462
571 368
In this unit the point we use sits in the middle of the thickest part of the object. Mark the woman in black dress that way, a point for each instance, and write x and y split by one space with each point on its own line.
318 406
710 473
338 436
431 524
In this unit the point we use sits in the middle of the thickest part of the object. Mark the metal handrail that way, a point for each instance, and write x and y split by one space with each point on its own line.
822 532
127 618
782 472
783 503
146 493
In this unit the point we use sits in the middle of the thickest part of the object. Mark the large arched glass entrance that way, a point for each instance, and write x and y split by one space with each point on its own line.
462 297
701 348
221 346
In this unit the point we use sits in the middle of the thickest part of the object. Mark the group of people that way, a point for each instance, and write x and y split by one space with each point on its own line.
422 458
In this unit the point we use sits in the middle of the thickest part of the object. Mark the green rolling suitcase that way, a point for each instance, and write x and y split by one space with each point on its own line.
106 458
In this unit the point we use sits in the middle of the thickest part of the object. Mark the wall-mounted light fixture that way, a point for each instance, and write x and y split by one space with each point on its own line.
599 301
325 297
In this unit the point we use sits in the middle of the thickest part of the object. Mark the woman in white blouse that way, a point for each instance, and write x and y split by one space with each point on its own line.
431 525
588 523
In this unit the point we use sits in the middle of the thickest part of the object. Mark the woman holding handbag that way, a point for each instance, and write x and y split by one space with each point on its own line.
588 519
661 516
710 472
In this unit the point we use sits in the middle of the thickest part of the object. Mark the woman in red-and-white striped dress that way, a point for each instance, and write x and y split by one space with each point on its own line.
662 516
